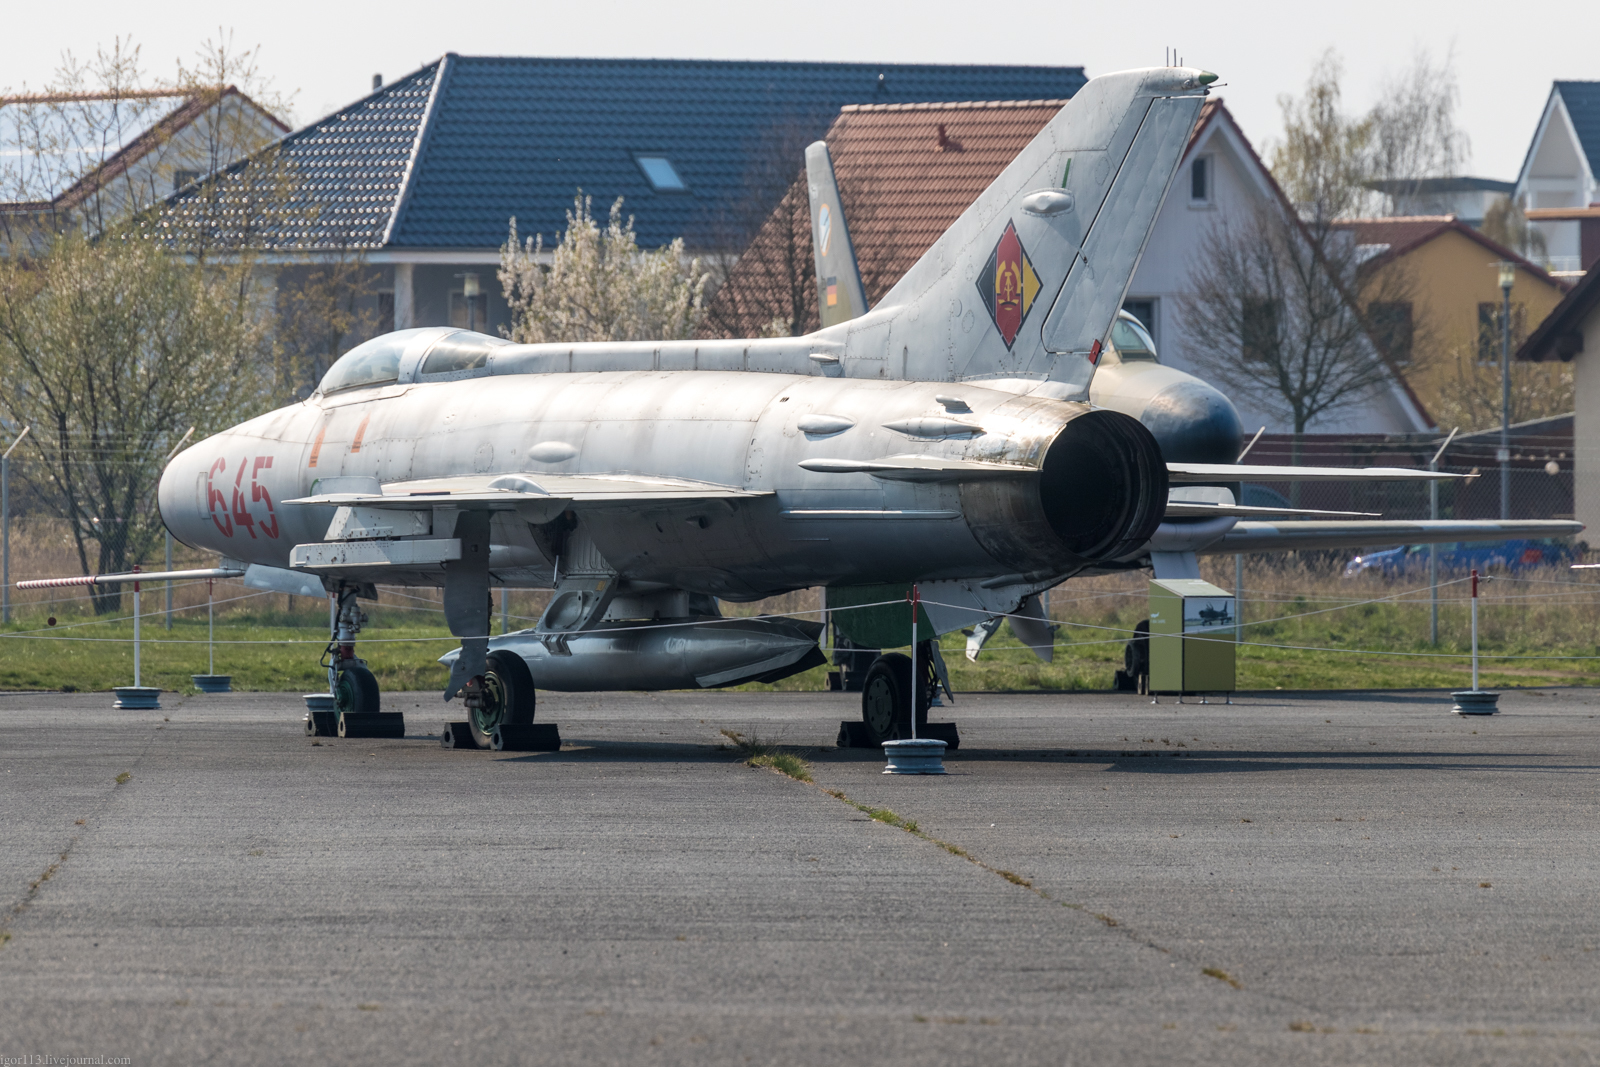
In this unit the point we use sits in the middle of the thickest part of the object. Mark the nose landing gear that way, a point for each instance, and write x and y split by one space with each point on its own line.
357 710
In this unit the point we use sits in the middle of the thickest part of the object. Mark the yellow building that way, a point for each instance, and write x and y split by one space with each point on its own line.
1433 295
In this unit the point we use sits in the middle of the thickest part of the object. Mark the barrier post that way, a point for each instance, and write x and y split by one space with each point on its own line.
1433 547
916 600
5 527
1475 631
136 682
169 580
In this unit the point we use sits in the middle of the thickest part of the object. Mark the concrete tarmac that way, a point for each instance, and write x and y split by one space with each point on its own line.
1298 878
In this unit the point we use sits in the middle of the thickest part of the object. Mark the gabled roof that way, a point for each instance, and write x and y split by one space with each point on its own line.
443 158
1583 108
1581 102
1554 337
56 149
905 173
1400 234
922 165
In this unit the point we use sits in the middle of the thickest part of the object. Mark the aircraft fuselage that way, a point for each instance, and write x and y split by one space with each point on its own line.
730 429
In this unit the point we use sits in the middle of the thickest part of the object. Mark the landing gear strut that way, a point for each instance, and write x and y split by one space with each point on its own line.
357 710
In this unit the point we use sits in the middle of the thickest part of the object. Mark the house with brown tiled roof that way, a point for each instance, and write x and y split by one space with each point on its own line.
907 171
1448 331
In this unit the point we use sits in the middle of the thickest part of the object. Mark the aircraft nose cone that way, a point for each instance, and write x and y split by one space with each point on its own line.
1194 423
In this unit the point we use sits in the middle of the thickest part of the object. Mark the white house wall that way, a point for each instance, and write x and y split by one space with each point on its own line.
1556 174
198 146
1586 428
1238 188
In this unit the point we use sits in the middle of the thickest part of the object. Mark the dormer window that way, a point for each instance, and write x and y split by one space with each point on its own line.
661 174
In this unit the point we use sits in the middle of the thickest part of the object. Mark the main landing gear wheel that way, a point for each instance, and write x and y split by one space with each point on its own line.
356 692
508 697
886 698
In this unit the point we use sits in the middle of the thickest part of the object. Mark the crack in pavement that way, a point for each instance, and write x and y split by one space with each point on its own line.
9 918
763 753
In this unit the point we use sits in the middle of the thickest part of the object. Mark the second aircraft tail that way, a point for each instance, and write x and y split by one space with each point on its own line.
1026 283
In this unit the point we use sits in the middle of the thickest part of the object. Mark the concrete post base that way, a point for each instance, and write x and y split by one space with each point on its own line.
925 755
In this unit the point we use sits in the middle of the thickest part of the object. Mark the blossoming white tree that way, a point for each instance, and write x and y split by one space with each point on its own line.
599 285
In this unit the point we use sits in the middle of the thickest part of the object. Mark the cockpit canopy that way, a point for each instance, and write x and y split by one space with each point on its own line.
1131 340
408 354
376 362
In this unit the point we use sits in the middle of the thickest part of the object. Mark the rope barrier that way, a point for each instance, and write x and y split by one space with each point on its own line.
55 634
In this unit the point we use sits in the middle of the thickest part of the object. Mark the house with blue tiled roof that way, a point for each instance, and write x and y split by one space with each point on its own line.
422 177
1559 185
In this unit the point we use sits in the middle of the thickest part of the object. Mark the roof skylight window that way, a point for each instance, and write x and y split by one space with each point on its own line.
662 175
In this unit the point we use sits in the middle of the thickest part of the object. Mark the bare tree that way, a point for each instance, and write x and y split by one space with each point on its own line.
1325 158
1503 221
1414 135
1469 390
322 309
106 139
765 287
109 349
1273 315
1334 164
764 278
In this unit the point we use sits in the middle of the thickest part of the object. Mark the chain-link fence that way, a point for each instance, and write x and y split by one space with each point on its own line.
1541 472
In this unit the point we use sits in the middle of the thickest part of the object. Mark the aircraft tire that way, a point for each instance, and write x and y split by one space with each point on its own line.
508 684
356 691
886 697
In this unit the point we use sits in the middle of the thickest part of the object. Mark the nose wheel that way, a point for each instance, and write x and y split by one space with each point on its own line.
356 691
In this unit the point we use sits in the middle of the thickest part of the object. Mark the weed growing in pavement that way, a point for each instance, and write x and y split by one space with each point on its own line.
1221 976
760 754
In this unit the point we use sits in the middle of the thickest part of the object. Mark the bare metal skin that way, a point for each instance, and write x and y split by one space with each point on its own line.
947 437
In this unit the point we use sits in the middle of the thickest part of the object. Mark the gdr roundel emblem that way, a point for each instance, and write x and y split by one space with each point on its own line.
1008 285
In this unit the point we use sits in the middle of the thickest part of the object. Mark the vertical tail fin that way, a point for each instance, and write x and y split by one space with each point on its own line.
840 296
1027 281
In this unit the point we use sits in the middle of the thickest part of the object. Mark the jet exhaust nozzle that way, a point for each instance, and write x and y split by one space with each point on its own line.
1101 493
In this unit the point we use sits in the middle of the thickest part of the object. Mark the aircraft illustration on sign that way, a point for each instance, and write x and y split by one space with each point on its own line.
947 437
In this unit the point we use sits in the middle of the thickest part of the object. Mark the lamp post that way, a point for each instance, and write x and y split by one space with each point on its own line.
1508 277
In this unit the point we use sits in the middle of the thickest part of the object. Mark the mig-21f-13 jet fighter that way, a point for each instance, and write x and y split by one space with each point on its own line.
945 437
